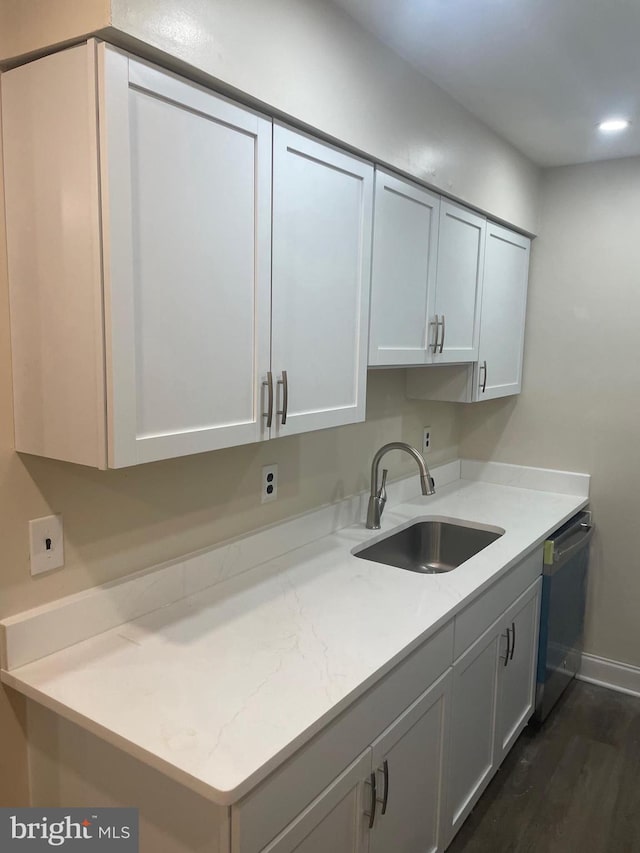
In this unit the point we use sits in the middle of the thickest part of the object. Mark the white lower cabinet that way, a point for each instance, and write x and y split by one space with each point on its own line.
390 798
516 696
334 821
493 698
398 771
408 764
471 761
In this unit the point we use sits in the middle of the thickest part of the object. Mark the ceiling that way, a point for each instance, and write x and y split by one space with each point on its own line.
541 73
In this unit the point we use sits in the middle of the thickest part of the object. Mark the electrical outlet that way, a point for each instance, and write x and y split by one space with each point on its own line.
269 483
426 438
46 544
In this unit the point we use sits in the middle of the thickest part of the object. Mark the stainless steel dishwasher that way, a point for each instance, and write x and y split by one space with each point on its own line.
564 591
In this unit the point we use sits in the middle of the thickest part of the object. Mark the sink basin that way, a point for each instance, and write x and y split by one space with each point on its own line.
430 546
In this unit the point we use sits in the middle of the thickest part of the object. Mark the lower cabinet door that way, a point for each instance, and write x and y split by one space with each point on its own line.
472 750
516 682
335 821
408 764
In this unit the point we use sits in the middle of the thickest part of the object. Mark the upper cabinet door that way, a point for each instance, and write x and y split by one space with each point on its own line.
458 284
322 217
186 198
405 241
504 302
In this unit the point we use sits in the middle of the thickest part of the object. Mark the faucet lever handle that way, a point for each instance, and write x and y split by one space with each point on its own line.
382 491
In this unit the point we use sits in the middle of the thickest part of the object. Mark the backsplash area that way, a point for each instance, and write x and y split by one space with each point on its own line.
120 521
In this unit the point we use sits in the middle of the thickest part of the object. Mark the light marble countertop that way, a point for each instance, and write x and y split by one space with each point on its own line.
219 688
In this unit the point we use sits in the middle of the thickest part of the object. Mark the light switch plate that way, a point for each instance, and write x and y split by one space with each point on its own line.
46 544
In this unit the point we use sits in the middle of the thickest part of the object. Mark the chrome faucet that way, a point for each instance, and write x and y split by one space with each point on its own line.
378 496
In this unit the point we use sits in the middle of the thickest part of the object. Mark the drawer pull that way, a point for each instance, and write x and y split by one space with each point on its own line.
513 640
506 656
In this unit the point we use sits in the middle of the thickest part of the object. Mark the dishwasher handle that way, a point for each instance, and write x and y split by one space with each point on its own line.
563 554
560 547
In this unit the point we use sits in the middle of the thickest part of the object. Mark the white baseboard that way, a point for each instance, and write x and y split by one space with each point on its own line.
610 673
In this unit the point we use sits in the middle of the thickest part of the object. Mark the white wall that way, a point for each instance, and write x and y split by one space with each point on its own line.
29 26
580 405
308 61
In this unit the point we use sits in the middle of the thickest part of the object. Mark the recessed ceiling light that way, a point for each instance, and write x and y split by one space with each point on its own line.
614 125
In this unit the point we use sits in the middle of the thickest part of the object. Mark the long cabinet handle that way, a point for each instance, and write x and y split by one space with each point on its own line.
371 814
436 324
268 383
285 397
385 797
443 333
506 656
484 376
513 640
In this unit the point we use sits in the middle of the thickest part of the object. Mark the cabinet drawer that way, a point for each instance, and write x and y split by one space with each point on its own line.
265 811
477 617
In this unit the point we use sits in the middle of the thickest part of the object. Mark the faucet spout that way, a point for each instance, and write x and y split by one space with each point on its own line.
377 497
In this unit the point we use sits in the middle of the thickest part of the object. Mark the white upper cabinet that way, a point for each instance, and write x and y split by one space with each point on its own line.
458 284
403 276
141 299
426 286
186 180
498 368
140 229
322 220
504 302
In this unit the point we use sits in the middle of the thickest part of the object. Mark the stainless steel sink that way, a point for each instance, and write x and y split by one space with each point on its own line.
430 546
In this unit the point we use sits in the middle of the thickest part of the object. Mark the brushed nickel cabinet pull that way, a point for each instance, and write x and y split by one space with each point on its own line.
436 324
285 397
385 796
269 386
371 814
443 333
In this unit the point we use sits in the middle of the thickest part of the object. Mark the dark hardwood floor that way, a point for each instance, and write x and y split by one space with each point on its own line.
572 787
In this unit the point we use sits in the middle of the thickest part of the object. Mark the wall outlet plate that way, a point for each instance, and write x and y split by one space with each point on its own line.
46 544
269 483
426 438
